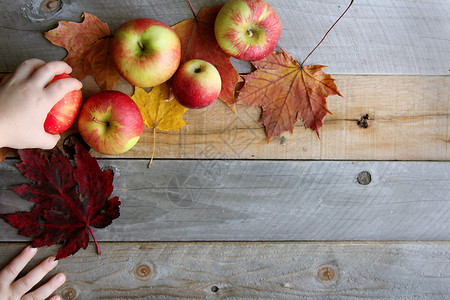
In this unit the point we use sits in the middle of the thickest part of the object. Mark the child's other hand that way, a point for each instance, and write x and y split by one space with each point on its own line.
18 289
25 100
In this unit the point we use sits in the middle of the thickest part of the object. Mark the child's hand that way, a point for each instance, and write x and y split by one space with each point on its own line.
25 101
10 289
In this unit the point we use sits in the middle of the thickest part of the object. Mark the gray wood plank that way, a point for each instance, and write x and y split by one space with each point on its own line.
253 270
233 200
375 37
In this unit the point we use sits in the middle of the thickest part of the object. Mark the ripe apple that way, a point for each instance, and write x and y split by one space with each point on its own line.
110 122
146 52
247 29
65 111
196 84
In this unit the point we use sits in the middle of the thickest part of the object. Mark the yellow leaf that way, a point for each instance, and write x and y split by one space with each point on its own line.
159 108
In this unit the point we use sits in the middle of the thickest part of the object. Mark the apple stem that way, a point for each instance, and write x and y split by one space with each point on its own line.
348 7
100 122
141 45
154 147
249 32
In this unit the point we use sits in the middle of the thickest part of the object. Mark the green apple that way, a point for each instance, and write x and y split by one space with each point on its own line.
146 52
247 29
196 84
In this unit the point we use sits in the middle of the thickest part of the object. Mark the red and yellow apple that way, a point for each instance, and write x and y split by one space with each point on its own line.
196 84
146 52
65 111
247 29
110 122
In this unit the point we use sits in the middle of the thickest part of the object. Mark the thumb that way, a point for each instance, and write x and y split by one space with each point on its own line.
49 141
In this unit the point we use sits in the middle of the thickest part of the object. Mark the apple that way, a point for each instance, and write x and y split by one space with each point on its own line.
110 122
146 52
65 111
247 29
196 84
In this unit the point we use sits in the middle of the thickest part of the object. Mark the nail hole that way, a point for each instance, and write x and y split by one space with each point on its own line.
363 121
364 178
214 289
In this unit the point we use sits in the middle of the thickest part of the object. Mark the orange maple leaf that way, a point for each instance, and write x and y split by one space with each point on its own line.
87 44
287 92
198 41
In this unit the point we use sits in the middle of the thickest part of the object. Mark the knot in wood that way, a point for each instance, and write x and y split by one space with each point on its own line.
143 271
326 273
68 293
51 5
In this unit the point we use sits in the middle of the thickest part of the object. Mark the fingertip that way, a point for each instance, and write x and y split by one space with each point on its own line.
50 141
32 249
61 278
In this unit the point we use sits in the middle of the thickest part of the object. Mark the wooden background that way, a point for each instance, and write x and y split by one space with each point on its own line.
222 213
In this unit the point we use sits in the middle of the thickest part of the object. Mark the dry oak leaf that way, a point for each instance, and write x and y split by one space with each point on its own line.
199 42
68 201
288 92
87 44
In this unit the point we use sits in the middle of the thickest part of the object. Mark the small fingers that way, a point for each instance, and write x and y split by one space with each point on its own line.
27 68
24 284
44 74
47 289
59 88
12 270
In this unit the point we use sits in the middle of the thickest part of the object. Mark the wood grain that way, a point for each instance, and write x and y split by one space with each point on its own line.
232 200
375 37
253 270
379 118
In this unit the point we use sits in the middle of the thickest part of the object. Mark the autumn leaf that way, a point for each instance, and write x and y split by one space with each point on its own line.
68 201
159 109
4 153
198 42
87 44
288 92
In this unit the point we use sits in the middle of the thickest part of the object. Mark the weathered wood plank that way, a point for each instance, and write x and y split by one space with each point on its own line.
403 118
215 200
375 37
253 270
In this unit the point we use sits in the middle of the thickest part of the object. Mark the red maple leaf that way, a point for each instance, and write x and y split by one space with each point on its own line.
87 44
288 92
68 201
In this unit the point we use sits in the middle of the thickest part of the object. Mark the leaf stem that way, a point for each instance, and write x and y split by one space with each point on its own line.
154 147
348 7
95 240
192 9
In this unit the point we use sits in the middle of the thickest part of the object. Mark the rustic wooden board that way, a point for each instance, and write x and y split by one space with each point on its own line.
214 200
379 118
375 37
253 270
